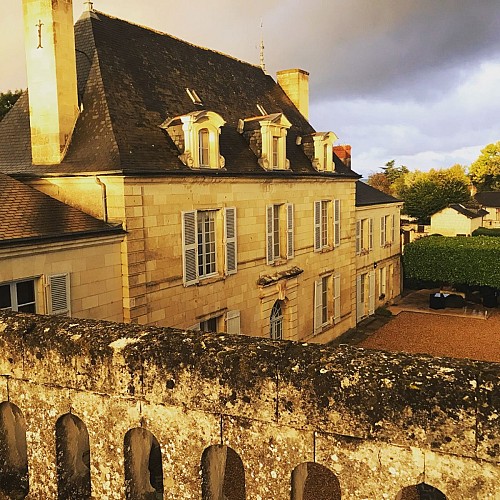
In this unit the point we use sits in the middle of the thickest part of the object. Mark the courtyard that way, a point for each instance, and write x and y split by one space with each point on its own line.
470 332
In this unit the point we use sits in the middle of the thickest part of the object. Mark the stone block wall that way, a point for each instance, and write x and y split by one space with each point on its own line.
229 413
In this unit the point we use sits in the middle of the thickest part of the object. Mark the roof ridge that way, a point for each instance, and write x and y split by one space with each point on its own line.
163 33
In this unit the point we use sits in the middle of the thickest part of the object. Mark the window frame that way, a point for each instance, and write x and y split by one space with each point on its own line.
276 321
279 233
13 296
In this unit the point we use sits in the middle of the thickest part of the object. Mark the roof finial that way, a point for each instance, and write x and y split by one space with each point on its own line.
262 63
90 5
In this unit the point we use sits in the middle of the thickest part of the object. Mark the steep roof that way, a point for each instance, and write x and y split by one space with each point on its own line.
488 199
470 213
130 80
368 195
29 216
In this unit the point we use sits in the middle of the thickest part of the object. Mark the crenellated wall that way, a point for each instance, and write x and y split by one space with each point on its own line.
380 422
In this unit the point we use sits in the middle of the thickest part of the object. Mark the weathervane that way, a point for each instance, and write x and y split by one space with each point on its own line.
262 63
39 26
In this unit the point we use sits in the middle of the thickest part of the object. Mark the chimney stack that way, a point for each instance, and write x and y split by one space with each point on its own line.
295 83
52 85
343 153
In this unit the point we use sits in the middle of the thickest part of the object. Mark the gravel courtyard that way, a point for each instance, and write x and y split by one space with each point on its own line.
439 335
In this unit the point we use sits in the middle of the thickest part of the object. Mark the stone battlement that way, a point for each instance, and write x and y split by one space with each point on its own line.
148 410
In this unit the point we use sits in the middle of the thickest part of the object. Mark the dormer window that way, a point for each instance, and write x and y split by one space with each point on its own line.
267 138
322 156
196 135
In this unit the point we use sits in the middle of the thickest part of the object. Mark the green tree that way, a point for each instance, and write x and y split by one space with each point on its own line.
425 193
7 100
379 181
485 171
390 180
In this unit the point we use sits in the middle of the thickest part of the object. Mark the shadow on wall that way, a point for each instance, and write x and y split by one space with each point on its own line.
222 470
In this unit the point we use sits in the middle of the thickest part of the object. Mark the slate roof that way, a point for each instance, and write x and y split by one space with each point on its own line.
29 216
470 213
488 199
368 195
130 80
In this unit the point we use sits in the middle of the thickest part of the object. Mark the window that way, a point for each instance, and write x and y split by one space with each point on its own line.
280 244
365 307
326 302
228 322
276 321
206 243
336 223
203 139
209 325
275 152
364 236
321 225
382 284
386 230
18 296
194 97
196 136
203 245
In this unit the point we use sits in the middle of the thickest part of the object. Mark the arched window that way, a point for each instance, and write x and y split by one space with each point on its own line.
13 453
73 458
420 491
312 481
223 474
204 147
143 467
276 321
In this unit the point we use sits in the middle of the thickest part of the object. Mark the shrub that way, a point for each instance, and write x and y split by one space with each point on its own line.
486 231
474 261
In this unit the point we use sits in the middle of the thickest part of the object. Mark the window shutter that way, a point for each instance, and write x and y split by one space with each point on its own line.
289 231
393 229
317 226
371 292
230 239
336 223
269 234
59 302
360 306
382 231
336 298
370 234
358 236
189 250
233 322
318 303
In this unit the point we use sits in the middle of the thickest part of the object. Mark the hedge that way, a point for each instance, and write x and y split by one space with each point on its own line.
458 260
486 231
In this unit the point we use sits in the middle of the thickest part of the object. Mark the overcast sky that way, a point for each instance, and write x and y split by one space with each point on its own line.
417 81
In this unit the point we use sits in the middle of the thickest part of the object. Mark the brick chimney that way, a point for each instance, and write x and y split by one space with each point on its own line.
343 153
51 66
295 83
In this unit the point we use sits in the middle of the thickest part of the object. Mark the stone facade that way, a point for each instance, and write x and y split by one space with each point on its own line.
228 413
449 222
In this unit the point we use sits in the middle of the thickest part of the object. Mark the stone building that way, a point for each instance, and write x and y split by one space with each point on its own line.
231 201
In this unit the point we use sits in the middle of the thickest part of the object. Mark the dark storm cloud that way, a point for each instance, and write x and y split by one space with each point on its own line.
415 49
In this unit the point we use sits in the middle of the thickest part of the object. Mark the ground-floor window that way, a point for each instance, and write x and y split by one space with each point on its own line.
18 296
276 321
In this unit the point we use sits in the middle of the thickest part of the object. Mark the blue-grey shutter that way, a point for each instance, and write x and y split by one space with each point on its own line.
189 248
230 239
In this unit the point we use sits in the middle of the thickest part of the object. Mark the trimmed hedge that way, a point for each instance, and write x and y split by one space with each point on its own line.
471 261
486 231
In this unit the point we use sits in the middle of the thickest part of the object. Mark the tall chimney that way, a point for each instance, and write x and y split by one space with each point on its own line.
51 66
295 83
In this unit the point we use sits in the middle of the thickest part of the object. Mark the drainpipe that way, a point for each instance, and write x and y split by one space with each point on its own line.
104 198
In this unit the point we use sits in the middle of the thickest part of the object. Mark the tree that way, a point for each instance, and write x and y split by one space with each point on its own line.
485 171
425 193
7 100
390 180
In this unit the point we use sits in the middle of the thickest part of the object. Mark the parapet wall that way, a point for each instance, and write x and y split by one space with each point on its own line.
379 421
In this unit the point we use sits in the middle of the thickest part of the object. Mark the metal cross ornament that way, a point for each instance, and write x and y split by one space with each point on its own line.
39 26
